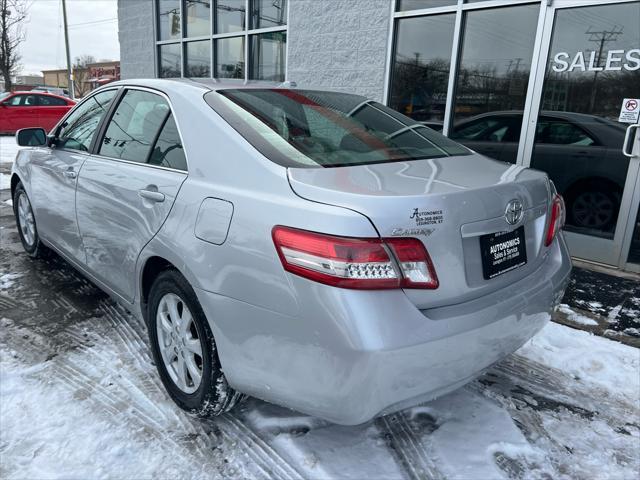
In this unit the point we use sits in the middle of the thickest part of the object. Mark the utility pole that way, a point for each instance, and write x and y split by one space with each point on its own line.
600 38
66 44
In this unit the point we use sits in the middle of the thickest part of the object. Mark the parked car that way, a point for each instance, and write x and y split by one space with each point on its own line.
581 153
314 249
32 109
63 92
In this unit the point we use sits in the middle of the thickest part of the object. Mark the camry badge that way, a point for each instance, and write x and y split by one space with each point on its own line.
513 212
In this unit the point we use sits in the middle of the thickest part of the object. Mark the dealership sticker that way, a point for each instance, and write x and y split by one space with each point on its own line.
630 111
427 217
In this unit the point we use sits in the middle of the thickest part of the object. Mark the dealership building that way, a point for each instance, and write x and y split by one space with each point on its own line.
551 84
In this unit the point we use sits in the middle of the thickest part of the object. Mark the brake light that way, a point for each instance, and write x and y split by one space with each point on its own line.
358 263
556 220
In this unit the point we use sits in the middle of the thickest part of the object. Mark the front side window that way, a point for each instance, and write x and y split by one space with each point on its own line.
326 129
77 131
22 101
134 126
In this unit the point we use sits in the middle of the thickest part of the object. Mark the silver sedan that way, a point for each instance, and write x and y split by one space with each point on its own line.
314 249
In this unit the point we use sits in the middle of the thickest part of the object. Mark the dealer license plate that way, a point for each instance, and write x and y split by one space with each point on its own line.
502 252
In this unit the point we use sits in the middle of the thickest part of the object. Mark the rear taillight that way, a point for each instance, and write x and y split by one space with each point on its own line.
359 263
556 219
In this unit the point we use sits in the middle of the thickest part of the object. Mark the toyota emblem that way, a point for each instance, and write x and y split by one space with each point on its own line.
513 212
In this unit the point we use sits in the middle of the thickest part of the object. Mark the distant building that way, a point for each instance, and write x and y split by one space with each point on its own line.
23 82
86 79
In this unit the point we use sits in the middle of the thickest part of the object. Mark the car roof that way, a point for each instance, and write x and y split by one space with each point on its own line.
204 84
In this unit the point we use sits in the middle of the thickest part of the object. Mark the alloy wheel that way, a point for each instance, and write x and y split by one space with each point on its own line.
593 210
180 345
26 222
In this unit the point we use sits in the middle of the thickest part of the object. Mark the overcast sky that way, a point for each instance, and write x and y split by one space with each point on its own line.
93 30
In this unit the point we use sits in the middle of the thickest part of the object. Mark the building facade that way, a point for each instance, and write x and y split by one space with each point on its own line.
535 83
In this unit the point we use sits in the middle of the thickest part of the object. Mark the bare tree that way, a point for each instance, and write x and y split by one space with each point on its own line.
12 16
81 74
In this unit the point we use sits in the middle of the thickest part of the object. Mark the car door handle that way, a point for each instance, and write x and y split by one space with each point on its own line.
70 174
152 195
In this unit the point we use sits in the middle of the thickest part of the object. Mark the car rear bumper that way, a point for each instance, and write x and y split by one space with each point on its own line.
352 355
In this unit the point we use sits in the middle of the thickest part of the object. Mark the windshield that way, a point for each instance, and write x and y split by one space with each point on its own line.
4 95
305 128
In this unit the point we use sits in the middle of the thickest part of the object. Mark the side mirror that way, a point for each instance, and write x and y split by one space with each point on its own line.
31 137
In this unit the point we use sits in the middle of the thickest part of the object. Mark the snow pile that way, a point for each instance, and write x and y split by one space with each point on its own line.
593 361
8 149
574 316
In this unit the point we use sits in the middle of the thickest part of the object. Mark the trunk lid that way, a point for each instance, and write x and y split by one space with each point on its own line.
447 203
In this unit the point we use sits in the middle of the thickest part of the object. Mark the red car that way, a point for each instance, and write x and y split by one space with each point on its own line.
31 109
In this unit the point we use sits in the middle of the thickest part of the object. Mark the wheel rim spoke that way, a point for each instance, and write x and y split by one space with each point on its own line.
185 321
193 345
181 372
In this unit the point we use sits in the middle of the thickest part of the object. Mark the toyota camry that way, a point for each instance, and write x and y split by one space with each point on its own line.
313 249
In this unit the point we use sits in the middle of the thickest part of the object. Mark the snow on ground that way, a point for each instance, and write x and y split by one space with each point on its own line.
565 406
576 317
8 149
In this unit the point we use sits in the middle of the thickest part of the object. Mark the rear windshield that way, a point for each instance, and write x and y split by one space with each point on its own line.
305 128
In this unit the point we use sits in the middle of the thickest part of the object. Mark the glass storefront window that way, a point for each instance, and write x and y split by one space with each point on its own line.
421 66
197 59
197 18
268 13
492 79
404 5
593 64
268 52
169 19
230 16
170 58
230 57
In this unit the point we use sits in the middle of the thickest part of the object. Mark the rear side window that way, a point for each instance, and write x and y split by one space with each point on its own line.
78 129
306 128
135 125
168 151
45 101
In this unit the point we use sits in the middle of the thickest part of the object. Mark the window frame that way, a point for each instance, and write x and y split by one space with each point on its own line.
247 33
102 130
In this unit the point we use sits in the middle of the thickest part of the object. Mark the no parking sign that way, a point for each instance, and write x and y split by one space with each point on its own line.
630 111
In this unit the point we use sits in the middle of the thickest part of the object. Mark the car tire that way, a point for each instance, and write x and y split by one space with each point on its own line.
172 304
26 223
